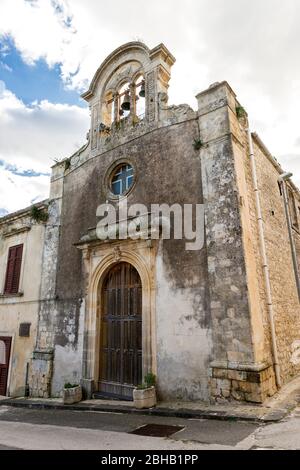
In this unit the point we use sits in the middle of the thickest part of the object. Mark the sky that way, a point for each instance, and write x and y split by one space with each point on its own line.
50 50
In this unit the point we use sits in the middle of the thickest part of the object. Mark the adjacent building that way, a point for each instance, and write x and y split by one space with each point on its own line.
21 248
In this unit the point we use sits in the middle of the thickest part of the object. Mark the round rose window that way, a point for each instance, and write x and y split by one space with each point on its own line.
122 179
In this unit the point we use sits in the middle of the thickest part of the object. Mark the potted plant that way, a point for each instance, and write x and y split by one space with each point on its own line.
144 395
72 393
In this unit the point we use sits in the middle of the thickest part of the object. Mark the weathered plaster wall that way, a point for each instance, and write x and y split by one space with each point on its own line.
158 158
21 309
57 357
68 357
183 331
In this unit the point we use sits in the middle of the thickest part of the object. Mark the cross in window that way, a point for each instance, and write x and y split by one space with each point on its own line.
122 179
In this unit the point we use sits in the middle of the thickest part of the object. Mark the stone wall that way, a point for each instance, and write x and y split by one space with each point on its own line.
243 385
41 364
243 364
233 355
283 286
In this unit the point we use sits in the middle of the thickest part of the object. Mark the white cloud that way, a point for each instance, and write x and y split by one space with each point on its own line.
37 29
17 192
31 137
291 162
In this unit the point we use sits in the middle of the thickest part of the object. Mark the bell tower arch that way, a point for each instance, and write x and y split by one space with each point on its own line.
146 73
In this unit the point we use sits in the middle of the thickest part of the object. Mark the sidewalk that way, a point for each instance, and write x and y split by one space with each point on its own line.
273 410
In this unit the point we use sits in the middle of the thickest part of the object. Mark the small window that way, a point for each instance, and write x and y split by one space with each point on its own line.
122 179
13 270
24 330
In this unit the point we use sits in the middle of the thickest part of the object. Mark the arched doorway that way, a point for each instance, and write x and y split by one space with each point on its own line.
121 332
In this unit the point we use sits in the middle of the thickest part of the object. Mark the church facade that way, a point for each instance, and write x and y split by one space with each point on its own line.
214 323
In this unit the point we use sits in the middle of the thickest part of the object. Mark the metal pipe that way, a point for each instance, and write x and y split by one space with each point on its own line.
265 266
282 181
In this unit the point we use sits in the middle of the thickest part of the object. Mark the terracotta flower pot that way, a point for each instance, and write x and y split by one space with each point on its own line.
144 398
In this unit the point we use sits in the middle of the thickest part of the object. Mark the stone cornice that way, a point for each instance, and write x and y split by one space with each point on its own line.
16 231
23 212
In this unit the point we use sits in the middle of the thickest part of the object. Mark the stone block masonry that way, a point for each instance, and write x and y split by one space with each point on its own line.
243 385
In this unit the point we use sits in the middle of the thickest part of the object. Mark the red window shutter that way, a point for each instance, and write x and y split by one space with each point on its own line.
13 269
10 270
17 269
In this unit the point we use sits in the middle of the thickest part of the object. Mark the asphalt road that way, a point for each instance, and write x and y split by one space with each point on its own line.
25 428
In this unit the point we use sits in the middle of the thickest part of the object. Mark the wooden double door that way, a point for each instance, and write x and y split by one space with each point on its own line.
121 332
5 345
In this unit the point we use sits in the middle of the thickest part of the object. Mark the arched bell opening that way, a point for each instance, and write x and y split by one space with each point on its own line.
140 93
124 100
131 99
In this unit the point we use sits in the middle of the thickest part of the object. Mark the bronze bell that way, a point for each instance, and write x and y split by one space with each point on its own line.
126 101
142 91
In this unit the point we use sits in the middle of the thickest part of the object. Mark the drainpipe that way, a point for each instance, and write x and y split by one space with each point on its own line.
263 251
282 181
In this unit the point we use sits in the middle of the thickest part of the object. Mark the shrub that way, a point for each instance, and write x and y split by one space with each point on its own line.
150 379
67 163
39 215
240 112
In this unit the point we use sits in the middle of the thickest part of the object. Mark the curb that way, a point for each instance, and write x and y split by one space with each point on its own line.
273 416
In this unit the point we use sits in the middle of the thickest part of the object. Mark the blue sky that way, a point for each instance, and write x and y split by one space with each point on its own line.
50 50
42 117
31 84
34 82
